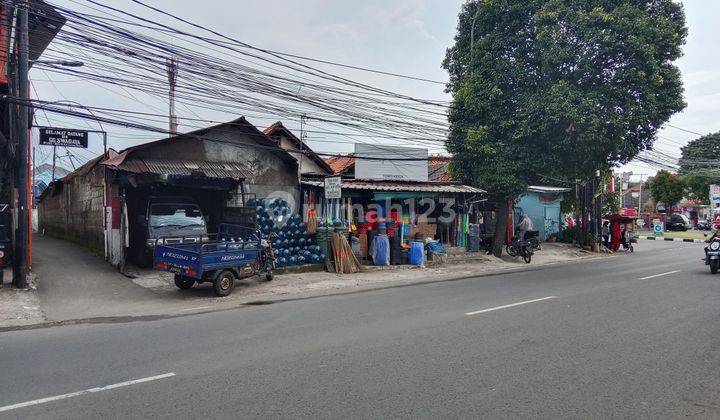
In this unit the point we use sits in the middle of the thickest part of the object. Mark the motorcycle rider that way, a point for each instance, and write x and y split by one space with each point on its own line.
525 226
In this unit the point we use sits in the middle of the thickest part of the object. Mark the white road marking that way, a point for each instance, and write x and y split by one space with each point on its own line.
196 308
658 275
85 391
509 306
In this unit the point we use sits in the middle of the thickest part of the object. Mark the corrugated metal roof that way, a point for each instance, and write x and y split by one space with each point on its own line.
541 189
233 170
435 187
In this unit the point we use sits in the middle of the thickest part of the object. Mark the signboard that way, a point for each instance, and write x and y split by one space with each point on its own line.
714 196
64 137
658 227
333 187
628 212
390 163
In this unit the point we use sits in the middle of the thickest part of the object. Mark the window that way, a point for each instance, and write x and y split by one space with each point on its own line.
175 215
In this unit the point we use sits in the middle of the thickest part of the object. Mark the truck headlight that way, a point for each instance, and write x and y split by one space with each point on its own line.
153 242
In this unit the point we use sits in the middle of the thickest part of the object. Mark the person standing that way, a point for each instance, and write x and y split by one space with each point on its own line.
525 226
616 235
606 234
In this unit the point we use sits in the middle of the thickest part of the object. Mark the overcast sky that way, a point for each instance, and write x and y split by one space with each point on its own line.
404 36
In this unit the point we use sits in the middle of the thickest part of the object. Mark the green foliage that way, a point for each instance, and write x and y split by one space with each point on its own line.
699 166
611 202
559 88
666 188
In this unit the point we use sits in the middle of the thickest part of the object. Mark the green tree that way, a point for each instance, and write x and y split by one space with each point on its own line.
700 166
558 88
666 188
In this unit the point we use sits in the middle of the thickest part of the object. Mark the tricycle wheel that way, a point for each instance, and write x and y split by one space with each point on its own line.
183 283
714 266
224 283
269 276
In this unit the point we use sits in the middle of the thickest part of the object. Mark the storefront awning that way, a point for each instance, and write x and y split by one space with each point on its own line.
428 187
171 167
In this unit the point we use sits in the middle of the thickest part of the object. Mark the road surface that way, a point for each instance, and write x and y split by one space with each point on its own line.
634 336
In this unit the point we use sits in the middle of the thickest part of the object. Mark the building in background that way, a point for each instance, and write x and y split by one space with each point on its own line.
221 167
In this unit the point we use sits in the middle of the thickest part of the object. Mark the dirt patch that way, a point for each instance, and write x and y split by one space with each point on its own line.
19 307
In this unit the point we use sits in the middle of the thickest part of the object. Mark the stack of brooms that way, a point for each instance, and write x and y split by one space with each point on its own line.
345 260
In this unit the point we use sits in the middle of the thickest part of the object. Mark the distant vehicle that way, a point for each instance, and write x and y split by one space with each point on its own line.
716 223
678 222
703 224
169 221
712 253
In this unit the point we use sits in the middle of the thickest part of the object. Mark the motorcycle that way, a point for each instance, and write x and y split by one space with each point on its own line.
712 254
533 236
518 248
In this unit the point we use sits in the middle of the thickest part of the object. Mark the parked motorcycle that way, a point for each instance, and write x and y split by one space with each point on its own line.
712 253
518 248
533 236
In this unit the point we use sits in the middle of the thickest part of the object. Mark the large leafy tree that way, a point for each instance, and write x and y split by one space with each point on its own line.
699 166
666 188
557 89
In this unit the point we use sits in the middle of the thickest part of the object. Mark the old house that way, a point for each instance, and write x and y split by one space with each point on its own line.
101 205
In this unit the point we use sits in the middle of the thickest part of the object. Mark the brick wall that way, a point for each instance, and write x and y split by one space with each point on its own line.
75 210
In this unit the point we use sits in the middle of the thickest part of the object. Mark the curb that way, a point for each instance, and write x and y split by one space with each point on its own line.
660 238
124 319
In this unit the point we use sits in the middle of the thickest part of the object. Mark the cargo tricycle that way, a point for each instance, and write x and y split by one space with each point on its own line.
234 252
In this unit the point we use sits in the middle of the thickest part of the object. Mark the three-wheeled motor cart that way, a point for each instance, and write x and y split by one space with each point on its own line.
234 252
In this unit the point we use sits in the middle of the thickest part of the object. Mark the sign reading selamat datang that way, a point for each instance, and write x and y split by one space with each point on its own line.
63 137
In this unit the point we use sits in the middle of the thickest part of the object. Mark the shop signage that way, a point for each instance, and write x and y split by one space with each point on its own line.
64 137
714 196
333 187
390 163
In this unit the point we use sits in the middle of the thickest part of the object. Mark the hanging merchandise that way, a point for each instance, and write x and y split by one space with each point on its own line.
311 221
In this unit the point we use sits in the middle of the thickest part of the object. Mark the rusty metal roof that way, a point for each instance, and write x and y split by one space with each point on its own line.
233 170
434 187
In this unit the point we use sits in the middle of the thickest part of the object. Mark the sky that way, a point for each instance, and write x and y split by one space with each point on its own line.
401 36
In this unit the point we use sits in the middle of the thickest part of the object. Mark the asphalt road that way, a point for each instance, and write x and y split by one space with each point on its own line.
636 336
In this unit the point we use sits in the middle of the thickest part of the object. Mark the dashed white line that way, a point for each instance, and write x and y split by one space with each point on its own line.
482 311
658 275
85 391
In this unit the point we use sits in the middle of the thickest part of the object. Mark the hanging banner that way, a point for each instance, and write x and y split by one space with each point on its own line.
63 137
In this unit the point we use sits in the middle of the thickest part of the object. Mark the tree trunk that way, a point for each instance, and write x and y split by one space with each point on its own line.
500 228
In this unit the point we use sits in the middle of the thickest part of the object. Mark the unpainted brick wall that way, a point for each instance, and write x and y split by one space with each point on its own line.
75 213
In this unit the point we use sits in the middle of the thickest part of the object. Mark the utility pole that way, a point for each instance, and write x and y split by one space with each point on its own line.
302 142
22 233
172 70
53 164
640 196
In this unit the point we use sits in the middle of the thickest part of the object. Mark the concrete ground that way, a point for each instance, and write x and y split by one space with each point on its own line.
628 337
75 284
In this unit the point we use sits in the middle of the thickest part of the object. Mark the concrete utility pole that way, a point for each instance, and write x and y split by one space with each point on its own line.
172 70
22 233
